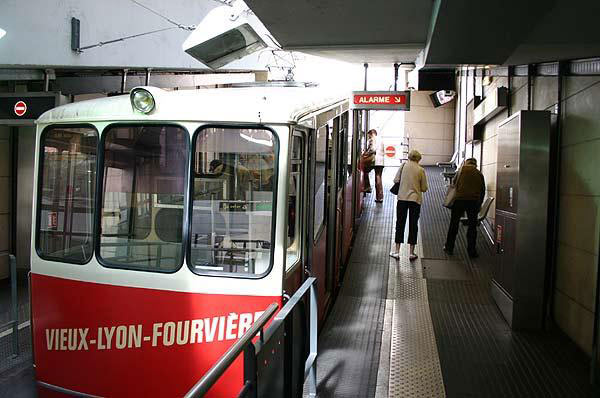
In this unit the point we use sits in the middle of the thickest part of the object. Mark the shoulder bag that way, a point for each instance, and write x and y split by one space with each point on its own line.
451 192
450 196
396 187
367 160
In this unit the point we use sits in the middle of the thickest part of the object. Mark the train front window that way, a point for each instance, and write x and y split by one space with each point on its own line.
66 193
142 200
233 185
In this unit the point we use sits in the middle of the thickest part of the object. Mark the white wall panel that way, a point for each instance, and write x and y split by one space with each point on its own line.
39 33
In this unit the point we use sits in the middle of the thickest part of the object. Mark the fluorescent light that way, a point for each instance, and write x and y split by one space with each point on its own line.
2 33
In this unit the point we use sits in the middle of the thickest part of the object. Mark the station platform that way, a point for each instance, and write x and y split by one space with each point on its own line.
429 328
426 328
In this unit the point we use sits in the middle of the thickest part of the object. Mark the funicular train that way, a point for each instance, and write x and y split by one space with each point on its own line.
166 222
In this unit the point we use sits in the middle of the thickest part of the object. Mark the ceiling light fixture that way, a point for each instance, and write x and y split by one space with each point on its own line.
226 34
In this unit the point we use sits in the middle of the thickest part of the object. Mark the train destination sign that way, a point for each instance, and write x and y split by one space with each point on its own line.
383 100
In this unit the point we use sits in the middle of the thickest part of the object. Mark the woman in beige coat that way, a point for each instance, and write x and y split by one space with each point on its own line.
413 183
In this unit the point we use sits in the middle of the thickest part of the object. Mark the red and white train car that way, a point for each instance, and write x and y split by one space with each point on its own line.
166 222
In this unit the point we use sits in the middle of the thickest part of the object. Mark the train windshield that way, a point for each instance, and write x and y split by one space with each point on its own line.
142 198
67 191
234 172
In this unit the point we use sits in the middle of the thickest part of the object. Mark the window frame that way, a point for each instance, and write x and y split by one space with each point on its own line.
100 189
299 218
189 215
317 234
38 196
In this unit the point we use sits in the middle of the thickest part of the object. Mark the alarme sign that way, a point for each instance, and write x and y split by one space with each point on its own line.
383 100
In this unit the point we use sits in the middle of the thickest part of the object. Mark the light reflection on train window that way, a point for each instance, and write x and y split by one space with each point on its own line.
295 194
232 199
348 151
142 199
320 187
67 192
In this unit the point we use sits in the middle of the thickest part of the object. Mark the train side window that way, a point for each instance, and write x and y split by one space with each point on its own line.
348 151
141 216
233 186
67 189
341 151
295 195
320 187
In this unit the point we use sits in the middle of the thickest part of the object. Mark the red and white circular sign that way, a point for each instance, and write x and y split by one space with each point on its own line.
20 108
390 151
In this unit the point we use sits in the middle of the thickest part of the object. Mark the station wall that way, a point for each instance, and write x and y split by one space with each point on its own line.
38 33
430 130
574 291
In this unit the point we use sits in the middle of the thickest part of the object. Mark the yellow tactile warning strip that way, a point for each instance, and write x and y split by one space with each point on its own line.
414 362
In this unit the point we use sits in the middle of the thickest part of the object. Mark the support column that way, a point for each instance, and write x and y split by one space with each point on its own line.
124 80
366 65
148 70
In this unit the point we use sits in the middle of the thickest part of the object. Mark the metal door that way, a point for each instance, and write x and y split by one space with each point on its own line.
504 272
508 166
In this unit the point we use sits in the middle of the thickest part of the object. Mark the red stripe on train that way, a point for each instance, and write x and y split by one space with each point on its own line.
117 341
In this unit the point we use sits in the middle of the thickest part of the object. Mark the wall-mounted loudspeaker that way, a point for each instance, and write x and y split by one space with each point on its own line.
442 97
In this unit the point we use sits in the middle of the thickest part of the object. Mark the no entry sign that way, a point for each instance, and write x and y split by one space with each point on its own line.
383 100
390 151
20 108
24 108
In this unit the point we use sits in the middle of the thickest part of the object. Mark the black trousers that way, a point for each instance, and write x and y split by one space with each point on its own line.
458 209
414 210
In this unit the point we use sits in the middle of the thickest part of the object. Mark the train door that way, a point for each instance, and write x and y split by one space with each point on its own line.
332 204
296 254
357 147
348 175
296 226
320 182
340 177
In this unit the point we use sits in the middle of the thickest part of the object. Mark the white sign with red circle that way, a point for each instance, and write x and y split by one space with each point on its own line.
390 151
20 108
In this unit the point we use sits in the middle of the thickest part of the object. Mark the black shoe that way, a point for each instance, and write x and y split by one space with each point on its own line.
448 251
473 254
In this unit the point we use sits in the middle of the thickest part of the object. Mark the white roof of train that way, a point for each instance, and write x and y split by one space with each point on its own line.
244 105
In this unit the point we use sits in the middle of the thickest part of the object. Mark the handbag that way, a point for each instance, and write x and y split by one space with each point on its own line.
367 160
396 187
450 196
451 191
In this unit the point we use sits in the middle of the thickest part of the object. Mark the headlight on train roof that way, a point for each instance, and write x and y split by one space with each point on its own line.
142 100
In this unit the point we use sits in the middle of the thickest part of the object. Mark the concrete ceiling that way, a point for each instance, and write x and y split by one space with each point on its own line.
435 32
375 31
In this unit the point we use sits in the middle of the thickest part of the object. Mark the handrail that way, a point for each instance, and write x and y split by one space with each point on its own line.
217 370
297 296
310 371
